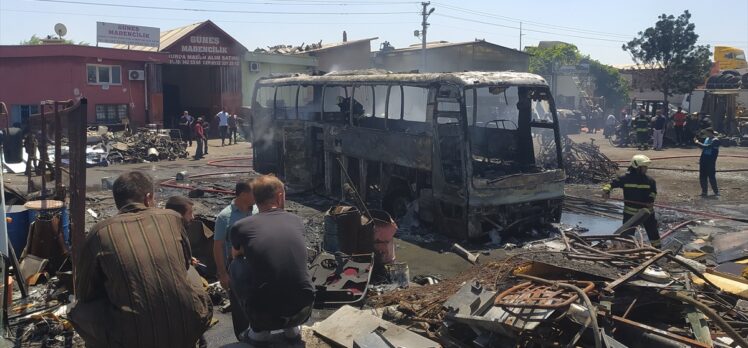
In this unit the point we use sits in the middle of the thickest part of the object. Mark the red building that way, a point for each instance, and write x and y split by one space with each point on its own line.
113 80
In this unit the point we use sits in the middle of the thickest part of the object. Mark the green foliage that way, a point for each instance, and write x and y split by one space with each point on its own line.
543 59
609 84
35 40
669 56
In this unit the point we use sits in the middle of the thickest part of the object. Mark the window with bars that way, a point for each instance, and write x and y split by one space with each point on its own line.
111 113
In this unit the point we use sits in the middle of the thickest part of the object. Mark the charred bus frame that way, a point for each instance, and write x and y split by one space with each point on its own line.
465 147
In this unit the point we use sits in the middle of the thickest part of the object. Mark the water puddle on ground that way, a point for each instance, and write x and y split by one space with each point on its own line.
597 225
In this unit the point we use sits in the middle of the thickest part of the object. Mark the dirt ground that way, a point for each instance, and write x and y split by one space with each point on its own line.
677 183
678 180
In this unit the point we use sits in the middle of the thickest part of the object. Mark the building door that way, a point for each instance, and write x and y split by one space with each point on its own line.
172 106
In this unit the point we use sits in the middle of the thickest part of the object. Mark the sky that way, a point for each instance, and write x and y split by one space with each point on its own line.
597 27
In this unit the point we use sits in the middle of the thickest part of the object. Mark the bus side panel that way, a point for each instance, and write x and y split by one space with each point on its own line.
266 142
407 150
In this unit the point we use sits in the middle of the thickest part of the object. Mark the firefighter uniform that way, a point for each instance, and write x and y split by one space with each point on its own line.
641 124
639 192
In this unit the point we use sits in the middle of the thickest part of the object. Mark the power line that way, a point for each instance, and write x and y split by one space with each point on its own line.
540 24
524 29
196 19
308 3
218 11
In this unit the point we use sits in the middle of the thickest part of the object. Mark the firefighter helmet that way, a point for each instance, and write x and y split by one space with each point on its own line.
640 161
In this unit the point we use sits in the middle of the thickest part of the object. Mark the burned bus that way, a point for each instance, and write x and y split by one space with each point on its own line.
468 152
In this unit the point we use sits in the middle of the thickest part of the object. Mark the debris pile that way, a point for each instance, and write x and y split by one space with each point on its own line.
584 162
289 49
147 145
577 290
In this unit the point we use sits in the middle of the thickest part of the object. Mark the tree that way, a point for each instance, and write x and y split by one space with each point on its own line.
543 59
669 55
609 84
35 40
607 81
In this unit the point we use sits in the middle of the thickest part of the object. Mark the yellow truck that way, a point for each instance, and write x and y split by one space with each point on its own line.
730 69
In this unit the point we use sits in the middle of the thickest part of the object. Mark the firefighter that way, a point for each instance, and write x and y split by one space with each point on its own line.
639 192
641 124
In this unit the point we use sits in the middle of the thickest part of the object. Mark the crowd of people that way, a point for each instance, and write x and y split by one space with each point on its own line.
197 129
689 130
685 128
136 282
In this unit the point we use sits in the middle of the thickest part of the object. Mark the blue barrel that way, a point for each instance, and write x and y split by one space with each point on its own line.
65 222
18 228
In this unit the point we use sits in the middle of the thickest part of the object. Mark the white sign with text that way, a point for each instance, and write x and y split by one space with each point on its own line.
127 34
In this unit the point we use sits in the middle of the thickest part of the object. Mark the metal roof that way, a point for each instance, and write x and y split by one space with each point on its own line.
374 76
170 37
446 44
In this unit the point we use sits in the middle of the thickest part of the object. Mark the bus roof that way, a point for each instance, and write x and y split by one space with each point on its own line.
468 78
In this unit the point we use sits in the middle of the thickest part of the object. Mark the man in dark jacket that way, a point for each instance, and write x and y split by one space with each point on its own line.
639 192
200 139
134 283
269 273
641 125
708 161
185 127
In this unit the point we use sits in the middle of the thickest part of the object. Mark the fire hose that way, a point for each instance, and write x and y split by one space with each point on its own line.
668 207
689 169
171 183
220 162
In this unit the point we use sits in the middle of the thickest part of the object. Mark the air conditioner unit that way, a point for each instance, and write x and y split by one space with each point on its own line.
136 75
254 66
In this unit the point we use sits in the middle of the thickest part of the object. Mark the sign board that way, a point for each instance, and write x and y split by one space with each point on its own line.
127 34
204 50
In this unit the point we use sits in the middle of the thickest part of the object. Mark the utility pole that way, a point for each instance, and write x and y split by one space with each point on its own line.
520 36
424 25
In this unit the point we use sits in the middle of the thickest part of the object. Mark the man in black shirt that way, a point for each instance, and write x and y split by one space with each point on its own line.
269 273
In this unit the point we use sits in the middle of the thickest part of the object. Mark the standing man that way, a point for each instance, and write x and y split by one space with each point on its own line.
206 133
269 272
30 145
185 126
233 127
658 126
708 161
200 138
134 283
610 126
639 192
223 125
625 126
679 123
242 206
641 125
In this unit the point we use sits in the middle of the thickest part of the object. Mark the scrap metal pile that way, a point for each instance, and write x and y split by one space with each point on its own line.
145 145
575 290
289 49
584 162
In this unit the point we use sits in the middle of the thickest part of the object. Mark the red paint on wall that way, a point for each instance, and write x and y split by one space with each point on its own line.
30 74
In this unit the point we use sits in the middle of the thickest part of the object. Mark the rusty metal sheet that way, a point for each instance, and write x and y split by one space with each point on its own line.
348 324
730 246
